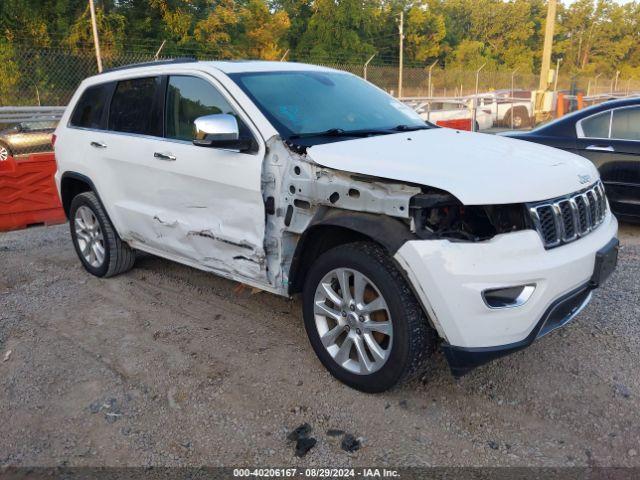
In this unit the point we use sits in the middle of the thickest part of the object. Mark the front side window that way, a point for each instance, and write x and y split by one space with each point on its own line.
187 99
307 102
626 124
597 126
91 106
133 107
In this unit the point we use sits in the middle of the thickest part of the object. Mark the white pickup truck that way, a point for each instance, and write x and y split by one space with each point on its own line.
505 109
295 179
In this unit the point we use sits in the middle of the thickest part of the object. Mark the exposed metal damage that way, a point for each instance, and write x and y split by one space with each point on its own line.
295 188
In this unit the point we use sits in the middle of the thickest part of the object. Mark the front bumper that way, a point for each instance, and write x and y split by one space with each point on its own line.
461 360
449 278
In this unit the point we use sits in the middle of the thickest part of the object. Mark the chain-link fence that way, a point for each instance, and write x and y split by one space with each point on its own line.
49 76
33 76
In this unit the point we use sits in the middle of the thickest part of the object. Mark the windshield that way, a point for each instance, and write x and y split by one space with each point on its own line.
304 103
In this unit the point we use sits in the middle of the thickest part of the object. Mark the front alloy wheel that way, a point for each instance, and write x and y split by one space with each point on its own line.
353 321
362 319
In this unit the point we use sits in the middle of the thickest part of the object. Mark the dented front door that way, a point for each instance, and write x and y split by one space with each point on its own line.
210 207
198 204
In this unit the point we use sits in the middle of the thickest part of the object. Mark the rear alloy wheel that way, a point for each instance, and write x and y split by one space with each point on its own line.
89 236
96 241
4 153
362 319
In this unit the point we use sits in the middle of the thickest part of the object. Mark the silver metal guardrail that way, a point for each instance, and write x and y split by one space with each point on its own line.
25 114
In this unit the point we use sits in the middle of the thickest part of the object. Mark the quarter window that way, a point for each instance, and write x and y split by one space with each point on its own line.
132 108
187 99
626 124
597 126
90 108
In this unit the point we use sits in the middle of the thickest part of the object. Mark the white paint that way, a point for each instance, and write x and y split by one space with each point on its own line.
450 276
206 209
478 169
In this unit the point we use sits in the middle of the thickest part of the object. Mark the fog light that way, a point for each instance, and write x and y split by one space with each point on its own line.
507 297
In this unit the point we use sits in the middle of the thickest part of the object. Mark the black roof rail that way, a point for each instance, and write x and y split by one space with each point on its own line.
152 63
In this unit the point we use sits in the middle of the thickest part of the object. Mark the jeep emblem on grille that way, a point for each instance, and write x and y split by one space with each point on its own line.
584 179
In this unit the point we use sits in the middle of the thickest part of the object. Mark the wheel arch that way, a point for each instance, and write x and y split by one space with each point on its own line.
333 227
73 184
521 109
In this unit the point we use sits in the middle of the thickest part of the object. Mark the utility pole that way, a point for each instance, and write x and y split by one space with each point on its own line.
548 44
400 66
96 42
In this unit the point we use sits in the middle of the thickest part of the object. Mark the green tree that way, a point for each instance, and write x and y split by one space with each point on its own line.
340 28
263 31
425 31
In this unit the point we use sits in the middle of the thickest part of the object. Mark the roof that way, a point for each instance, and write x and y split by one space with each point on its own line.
241 66
227 66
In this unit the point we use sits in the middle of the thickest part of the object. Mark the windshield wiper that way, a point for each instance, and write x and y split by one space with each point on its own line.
407 128
339 132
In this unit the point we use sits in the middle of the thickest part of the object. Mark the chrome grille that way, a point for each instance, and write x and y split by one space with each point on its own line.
563 220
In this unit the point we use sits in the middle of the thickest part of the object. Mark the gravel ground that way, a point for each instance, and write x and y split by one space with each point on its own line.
167 365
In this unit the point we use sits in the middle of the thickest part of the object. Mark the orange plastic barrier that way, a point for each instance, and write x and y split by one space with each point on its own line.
560 106
459 124
28 194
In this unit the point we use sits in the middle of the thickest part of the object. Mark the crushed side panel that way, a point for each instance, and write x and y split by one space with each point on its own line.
296 187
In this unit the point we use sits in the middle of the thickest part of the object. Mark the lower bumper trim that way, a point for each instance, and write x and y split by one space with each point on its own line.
462 360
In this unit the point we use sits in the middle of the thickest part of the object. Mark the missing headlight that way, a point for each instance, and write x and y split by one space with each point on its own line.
441 215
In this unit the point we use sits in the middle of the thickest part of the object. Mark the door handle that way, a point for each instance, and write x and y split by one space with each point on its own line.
165 156
98 145
601 148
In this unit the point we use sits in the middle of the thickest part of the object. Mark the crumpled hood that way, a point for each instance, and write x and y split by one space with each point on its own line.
478 169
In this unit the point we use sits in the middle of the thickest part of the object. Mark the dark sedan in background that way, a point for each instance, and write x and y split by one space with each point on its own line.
608 134
27 137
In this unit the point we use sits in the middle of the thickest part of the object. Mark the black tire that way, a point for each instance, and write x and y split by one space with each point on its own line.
413 339
118 257
520 118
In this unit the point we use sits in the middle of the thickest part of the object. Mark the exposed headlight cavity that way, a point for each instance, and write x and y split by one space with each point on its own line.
440 215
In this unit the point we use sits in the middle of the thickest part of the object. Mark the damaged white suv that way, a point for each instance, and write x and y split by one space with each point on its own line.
294 178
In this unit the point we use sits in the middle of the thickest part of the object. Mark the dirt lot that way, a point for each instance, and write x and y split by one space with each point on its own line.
167 365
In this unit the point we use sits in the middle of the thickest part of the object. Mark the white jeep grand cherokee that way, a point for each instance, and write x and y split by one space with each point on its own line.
295 178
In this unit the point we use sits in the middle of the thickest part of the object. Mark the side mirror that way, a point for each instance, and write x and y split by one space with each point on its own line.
220 130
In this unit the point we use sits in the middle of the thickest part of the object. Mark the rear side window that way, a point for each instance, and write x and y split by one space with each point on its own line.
91 106
626 124
597 126
133 107
187 99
